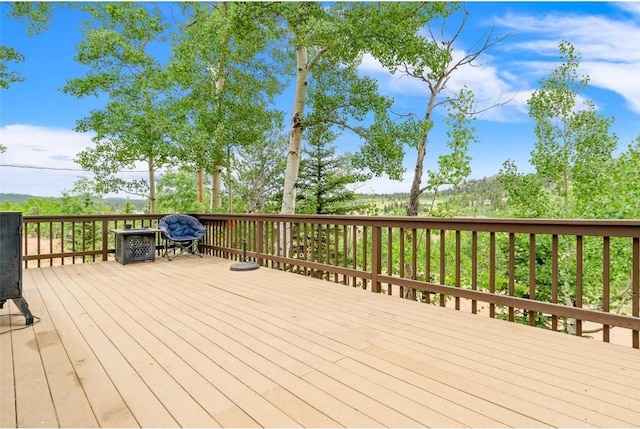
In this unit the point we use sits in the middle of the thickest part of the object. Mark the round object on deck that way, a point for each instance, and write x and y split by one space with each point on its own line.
244 266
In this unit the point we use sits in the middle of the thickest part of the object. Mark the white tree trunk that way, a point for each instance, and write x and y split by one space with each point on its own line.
295 137
216 183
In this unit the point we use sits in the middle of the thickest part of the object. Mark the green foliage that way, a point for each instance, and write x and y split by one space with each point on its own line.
135 124
178 193
576 177
9 77
82 199
227 82
573 154
339 98
34 15
325 178
260 173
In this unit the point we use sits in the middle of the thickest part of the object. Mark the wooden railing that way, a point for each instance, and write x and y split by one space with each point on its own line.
63 239
567 275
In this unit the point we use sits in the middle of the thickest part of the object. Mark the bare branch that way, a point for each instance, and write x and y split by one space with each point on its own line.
316 57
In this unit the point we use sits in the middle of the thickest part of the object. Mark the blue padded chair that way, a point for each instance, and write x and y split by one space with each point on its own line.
181 232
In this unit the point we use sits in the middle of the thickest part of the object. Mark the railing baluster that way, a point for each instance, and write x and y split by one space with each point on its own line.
512 265
474 269
554 278
354 262
427 264
606 279
345 249
635 293
532 276
414 260
443 266
376 257
84 240
51 243
579 273
365 252
390 258
401 267
457 271
336 259
306 245
39 230
327 236
492 271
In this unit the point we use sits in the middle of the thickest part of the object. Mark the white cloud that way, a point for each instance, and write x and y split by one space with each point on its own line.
383 185
630 6
609 48
33 152
610 55
39 160
490 86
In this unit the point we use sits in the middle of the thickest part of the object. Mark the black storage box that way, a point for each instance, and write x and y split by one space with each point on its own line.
11 262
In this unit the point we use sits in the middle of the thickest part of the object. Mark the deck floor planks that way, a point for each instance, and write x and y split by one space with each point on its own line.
36 408
347 416
629 401
68 396
148 410
611 363
7 382
169 390
548 400
438 420
219 374
186 411
463 415
533 380
108 406
270 294
285 330
580 391
574 420
387 412
368 351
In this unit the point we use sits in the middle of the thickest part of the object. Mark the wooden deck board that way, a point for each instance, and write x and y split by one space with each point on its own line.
190 343
69 398
108 406
7 384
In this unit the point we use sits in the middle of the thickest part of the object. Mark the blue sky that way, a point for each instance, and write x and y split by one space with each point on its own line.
37 119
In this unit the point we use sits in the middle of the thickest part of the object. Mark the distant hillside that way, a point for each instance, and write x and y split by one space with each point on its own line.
112 201
16 198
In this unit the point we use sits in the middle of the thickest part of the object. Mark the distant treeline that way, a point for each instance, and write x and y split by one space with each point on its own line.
112 201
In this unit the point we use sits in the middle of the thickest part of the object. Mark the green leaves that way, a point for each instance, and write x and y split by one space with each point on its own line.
8 77
135 124
573 154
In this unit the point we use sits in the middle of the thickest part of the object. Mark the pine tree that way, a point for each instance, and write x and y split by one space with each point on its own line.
323 186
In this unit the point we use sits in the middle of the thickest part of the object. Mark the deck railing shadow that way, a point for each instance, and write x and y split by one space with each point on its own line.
557 274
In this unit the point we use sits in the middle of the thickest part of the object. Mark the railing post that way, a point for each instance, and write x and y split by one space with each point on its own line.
105 239
635 289
376 258
259 241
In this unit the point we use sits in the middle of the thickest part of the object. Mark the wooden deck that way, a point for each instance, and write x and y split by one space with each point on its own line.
191 343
